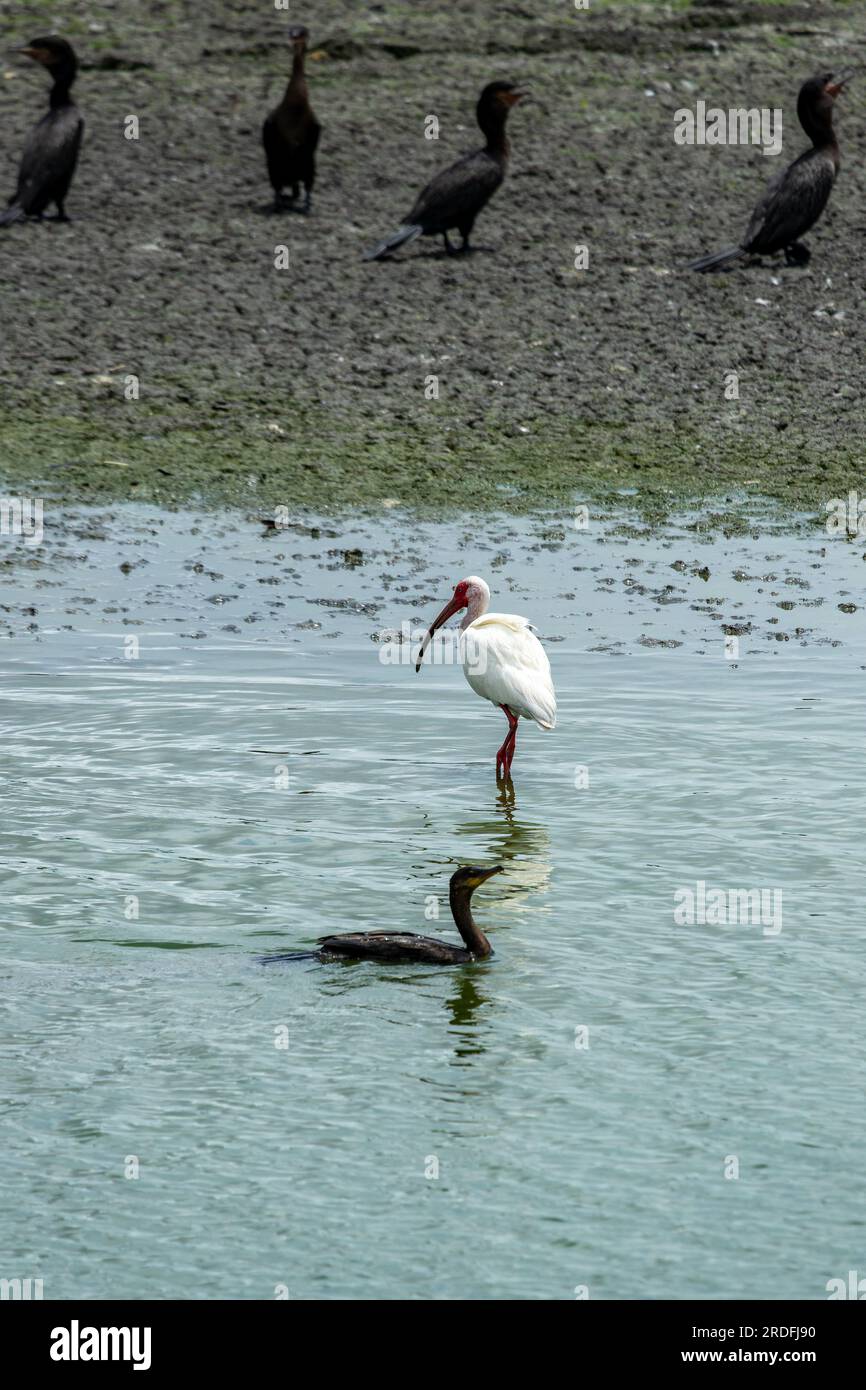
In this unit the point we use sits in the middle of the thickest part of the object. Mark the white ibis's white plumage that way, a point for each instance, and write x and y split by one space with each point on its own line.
503 661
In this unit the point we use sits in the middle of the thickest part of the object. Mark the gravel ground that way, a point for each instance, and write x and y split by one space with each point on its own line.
306 386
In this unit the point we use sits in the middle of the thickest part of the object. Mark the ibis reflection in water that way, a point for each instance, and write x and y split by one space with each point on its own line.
408 948
503 661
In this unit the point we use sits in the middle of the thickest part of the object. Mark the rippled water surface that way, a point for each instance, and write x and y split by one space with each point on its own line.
257 775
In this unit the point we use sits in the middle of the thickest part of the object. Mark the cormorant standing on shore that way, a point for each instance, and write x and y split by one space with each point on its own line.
456 196
795 198
51 151
407 948
291 132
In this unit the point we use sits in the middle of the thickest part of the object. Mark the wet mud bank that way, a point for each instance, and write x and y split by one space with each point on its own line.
507 379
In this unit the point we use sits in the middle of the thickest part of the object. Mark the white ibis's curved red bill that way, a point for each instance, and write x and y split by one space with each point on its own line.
453 606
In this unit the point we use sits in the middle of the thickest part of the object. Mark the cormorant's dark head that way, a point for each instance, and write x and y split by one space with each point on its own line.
833 83
468 878
51 52
500 96
492 110
818 93
298 36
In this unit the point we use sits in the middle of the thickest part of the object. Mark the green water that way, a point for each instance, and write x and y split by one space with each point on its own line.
155 786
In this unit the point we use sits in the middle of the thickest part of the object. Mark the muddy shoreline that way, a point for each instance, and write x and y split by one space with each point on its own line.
306 387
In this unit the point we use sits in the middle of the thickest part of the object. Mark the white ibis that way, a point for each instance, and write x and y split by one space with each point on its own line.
503 661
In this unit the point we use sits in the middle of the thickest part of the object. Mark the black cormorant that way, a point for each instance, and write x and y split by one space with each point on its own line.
796 197
456 196
291 132
51 151
406 948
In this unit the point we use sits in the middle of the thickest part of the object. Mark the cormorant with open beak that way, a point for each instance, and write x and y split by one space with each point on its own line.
51 152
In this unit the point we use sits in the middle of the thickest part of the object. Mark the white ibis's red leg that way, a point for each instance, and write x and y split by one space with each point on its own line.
512 748
505 756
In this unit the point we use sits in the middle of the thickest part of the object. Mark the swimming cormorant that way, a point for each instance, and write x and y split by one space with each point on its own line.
406 948
51 151
291 132
456 196
795 198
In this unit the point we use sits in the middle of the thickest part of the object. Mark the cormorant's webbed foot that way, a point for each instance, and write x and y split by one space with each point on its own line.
797 254
461 250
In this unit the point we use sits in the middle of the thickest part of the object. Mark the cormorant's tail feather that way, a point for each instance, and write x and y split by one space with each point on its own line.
12 214
391 242
715 258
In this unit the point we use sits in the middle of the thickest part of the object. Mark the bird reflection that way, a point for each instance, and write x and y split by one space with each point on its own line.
522 846
463 1006
524 849
507 797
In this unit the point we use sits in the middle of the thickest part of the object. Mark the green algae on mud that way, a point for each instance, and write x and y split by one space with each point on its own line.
308 459
264 388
